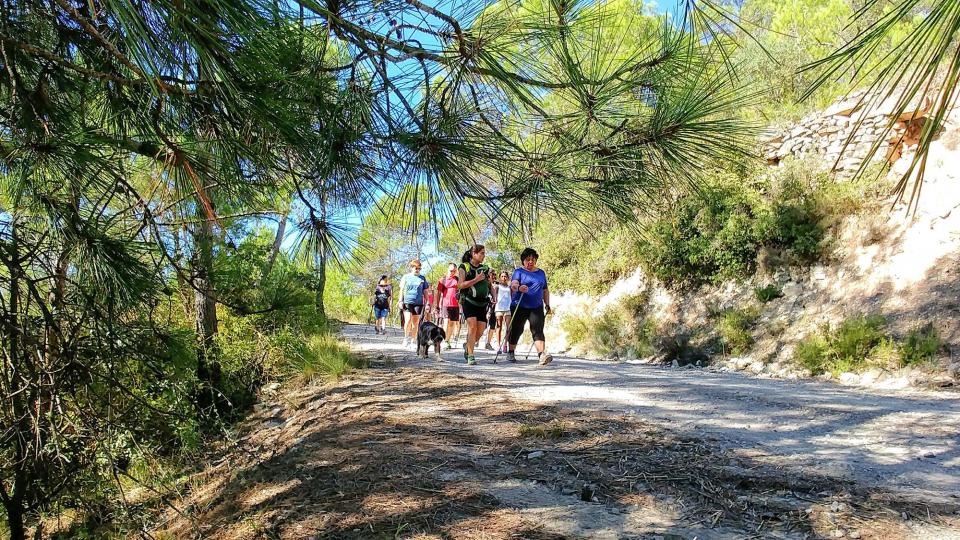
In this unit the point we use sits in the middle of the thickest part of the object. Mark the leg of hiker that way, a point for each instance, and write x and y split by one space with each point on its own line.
537 321
491 326
453 325
414 313
475 327
518 321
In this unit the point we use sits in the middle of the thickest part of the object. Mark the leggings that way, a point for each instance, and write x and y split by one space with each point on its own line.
520 318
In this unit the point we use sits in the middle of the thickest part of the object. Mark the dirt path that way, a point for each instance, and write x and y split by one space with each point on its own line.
904 440
409 449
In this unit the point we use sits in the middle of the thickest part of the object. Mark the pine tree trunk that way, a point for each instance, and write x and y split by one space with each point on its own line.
13 501
275 250
321 286
205 303
14 510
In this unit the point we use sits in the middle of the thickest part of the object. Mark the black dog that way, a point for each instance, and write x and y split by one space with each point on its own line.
428 333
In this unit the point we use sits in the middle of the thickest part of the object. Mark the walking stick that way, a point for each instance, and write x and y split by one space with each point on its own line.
509 328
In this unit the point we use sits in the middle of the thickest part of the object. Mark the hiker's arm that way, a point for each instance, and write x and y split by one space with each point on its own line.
546 298
463 284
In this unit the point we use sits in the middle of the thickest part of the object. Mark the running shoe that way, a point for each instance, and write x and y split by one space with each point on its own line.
471 361
489 347
545 359
511 357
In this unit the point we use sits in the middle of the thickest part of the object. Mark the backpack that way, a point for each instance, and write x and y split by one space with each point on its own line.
479 294
381 298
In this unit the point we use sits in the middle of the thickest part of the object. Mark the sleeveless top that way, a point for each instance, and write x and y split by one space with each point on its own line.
503 297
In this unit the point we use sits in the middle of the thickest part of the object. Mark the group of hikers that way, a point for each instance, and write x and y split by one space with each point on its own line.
471 294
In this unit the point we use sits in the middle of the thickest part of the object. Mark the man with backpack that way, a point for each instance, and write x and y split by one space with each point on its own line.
381 304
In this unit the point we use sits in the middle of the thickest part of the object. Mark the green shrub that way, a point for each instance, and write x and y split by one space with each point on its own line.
855 344
920 345
587 257
622 329
735 327
856 338
767 293
706 237
323 356
577 328
811 353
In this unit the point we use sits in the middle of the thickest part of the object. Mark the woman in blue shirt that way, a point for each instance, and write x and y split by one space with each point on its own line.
531 302
412 287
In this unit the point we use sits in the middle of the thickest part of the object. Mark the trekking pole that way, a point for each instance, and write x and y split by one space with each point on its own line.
512 315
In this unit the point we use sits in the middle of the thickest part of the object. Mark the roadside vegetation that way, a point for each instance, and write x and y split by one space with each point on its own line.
861 343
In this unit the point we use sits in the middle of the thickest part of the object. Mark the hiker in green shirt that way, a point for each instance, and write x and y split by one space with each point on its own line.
474 286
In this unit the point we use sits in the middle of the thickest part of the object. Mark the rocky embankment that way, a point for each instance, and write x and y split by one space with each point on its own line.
891 261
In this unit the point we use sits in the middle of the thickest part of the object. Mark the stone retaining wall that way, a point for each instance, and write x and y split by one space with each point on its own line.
827 133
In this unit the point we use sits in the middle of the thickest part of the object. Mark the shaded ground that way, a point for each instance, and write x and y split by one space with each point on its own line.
411 452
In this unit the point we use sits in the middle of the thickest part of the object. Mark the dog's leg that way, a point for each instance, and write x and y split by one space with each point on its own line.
436 348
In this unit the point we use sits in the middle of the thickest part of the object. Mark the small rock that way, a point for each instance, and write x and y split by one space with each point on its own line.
871 376
741 363
849 378
535 455
675 363
942 381
854 534
954 370
272 387
837 533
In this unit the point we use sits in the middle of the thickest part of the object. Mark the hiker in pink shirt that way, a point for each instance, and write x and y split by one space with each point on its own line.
447 302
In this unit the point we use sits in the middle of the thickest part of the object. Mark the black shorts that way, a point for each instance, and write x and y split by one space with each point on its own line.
416 309
453 313
491 318
537 319
471 311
